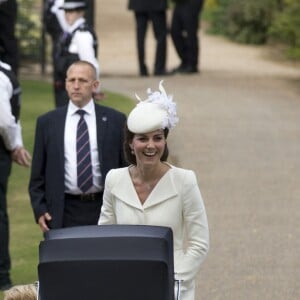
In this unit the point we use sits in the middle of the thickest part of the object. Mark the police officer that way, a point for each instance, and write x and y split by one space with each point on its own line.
184 33
8 42
54 24
78 43
11 149
54 20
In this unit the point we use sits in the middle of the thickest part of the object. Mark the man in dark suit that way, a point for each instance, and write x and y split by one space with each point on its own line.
58 199
151 11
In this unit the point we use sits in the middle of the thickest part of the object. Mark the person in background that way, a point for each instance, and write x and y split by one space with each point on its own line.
78 43
11 149
55 25
9 50
151 191
75 146
54 20
184 33
153 11
21 292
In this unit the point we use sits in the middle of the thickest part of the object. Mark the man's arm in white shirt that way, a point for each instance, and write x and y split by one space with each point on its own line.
10 130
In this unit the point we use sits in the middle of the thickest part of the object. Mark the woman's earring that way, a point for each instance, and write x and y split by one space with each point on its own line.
132 152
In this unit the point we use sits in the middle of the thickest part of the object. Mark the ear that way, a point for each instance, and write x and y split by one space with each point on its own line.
96 85
130 146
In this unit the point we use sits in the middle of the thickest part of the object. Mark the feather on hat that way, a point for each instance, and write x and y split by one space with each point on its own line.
158 111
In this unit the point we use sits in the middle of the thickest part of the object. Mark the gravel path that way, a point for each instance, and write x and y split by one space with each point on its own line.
240 131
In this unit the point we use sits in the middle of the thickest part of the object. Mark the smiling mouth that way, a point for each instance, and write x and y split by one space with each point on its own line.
150 154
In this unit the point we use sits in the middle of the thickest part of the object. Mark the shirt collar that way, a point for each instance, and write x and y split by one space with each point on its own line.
89 108
76 24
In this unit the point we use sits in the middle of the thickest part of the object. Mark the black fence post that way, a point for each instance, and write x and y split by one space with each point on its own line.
43 42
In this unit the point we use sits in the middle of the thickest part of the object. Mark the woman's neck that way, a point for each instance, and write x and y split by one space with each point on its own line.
150 173
145 179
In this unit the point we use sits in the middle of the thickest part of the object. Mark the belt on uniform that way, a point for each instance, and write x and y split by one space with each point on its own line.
84 197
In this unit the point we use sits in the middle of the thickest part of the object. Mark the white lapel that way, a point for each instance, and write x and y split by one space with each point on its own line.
124 190
164 190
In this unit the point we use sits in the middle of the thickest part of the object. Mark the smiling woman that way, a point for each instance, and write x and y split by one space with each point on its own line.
150 145
159 136
153 192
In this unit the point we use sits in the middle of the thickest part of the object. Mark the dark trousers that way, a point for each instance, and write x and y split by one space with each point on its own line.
81 212
159 22
184 31
5 167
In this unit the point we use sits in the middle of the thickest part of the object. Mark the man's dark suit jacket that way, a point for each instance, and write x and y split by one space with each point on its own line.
46 186
147 5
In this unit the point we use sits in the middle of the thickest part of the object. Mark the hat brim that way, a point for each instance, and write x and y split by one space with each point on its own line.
74 6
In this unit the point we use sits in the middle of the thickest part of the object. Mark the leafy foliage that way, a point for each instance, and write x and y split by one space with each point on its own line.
286 27
242 20
257 21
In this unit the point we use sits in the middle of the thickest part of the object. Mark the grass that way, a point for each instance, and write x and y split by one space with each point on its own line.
25 235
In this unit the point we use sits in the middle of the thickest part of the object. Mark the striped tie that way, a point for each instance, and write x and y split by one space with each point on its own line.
84 166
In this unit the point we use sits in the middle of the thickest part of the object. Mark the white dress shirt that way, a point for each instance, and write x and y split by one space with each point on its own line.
70 148
10 130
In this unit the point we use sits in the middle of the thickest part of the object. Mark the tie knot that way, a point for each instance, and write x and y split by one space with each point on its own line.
81 112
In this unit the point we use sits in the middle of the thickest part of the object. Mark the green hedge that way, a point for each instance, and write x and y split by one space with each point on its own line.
257 21
286 27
